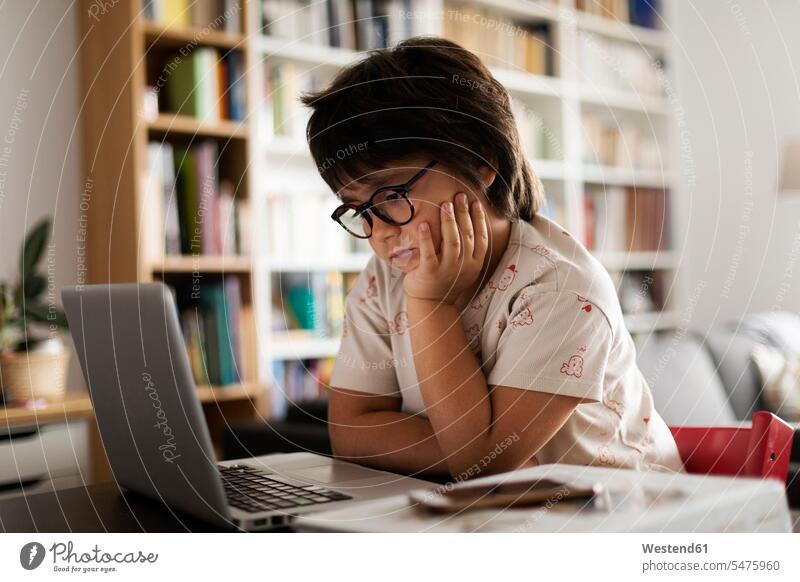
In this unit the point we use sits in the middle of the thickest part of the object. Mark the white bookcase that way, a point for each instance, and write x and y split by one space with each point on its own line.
283 163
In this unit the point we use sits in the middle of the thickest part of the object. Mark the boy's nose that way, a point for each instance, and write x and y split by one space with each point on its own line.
384 231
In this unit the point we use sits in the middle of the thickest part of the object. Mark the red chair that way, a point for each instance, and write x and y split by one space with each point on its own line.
762 450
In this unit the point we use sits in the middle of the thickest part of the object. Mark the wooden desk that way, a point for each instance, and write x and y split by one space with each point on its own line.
94 508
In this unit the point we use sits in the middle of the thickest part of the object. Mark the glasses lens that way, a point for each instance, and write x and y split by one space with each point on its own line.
393 205
355 223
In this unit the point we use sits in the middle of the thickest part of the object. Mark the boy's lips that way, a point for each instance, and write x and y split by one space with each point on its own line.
402 257
402 253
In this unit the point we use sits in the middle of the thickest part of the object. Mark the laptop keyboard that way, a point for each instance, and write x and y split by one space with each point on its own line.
253 490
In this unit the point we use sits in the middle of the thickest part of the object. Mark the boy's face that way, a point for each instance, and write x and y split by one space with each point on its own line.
439 184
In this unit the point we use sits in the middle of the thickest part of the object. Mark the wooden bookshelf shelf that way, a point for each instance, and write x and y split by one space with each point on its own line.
643 260
156 34
75 404
183 125
349 264
624 101
548 169
297 50
302 344
524 83
203 263
639 35
617 176
246 391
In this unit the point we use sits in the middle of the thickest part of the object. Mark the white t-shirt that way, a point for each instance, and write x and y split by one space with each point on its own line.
549 320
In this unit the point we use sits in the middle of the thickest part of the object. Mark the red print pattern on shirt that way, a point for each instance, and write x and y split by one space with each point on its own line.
574 366
523 319
581 299
501 324
344 326
399 324
372 290
473 335
540 250
472 332
483 297
614 405
505 279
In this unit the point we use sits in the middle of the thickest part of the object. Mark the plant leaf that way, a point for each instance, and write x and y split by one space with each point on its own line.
33 286
43 314
33 248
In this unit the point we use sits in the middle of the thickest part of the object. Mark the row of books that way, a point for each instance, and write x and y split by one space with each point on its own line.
298 380
211 321
219 15
192 210
498 41
349 24
311 301
282 114
614 142
205 85
300 226
637 12
626 219
609 63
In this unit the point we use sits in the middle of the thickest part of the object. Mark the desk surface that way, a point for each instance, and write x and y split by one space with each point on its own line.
95 508
750 505
635 501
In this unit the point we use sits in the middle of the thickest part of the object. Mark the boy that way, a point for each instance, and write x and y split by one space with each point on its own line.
481 337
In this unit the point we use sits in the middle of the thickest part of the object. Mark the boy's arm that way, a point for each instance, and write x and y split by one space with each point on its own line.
371 430
477 430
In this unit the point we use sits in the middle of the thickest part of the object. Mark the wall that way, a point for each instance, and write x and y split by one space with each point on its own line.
40 133
738 98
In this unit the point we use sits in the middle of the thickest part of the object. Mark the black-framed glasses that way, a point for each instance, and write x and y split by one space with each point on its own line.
389 203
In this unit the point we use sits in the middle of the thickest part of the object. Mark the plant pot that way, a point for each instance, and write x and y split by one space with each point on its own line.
34 375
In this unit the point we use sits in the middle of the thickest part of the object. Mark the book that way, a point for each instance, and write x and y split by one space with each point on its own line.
192 86
235 89
211 320
203 214
626 219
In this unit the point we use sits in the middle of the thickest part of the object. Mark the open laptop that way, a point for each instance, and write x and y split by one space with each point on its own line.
151 422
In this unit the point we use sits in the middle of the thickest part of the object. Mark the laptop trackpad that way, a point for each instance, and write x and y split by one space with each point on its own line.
337 473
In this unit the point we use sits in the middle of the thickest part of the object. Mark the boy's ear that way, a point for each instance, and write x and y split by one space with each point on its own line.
488 173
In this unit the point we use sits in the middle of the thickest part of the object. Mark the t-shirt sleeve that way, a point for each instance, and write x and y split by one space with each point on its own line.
365 359
553 341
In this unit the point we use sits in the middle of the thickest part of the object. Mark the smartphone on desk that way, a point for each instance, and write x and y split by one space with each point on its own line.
511 494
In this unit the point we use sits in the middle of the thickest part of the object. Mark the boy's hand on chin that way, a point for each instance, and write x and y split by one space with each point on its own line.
443 278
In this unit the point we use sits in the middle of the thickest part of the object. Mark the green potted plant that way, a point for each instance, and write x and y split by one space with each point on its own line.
33 359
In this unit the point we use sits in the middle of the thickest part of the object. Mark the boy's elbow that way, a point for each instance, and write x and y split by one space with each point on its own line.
340 445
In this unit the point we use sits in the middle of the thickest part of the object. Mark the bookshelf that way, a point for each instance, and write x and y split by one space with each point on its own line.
594 139
135 116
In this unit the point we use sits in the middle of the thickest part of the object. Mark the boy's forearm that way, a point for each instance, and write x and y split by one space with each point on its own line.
453 386
392 441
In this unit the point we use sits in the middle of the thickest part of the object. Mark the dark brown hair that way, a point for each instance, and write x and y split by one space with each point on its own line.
426 96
